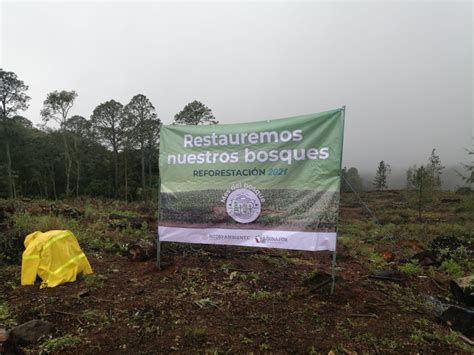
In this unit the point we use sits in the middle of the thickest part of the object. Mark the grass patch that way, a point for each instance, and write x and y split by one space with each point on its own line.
25 223
262 295
7 319
94 281
94 316
411 269
452 268
196 334
51 345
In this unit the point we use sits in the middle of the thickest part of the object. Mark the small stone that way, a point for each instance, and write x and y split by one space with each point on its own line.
428 258
31 332
3 335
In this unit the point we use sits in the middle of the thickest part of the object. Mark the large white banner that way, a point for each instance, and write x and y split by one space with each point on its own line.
271 184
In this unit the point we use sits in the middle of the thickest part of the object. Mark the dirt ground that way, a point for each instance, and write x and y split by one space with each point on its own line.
219 300
140 309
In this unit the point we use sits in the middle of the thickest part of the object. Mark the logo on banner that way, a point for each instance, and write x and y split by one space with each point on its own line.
243 205
263 239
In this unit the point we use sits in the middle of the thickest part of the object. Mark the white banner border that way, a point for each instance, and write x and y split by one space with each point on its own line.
293 240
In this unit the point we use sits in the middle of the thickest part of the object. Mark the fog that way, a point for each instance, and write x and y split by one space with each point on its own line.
402 69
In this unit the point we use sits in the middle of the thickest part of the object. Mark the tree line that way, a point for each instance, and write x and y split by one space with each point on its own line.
426 177
113 153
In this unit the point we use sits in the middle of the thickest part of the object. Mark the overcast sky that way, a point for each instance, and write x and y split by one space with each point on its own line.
403 69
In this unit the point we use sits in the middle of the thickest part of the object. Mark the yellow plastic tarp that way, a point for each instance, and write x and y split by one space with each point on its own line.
54 256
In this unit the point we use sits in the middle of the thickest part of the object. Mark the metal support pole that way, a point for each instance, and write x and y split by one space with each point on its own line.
333 271
333 263
158 252
158 243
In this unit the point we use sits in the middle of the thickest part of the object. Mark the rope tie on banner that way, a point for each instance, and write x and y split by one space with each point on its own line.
372 214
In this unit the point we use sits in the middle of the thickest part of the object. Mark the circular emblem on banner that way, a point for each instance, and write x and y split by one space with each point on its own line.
243 205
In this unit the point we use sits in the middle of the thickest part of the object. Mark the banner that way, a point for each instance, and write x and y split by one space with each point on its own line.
271 184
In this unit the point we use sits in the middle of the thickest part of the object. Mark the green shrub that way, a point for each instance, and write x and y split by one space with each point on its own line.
376 261
94 316
6 315
412 268
452 268
261 295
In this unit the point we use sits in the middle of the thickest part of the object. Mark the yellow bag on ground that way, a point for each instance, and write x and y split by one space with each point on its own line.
55 256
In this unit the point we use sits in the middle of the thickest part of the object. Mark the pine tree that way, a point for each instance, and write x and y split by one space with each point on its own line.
13 99
195 113
469 177
142 126
351 180
381 175
434 169
56 108
423 183
106 120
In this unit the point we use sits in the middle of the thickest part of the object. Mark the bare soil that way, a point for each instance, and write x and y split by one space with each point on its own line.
218 300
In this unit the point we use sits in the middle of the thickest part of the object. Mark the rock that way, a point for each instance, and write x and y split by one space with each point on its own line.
463 290
460 319
141 250
3 335
466 282
30 332
388 274
3 340
428 258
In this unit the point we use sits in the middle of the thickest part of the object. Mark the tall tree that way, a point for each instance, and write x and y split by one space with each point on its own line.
195 113
381 175
15 131
351 180
142 126
421 181
151 146
18 135
469 178
41 160
434 169
56 108
127 146
80 130
13 99
106 123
